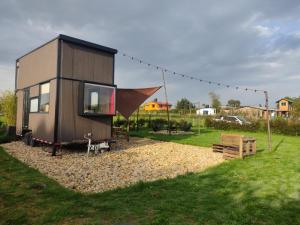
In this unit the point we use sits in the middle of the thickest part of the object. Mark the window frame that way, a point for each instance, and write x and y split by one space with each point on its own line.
40 88
283 104
81 99
33 98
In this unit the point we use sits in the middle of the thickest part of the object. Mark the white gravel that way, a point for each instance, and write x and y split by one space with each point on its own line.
128 163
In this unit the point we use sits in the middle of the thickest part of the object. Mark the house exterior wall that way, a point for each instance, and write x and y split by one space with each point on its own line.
283 105
82 64
34 91
156 106
42 124
72 126
86 64
151 106
19 116
38 66
206 112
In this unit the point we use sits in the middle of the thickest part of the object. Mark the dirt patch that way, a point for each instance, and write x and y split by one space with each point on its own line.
139 160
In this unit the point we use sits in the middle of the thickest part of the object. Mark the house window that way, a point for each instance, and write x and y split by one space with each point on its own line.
34 105
99 99
44 97
283 103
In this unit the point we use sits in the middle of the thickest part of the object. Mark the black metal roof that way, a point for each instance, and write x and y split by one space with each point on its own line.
77 42
87 44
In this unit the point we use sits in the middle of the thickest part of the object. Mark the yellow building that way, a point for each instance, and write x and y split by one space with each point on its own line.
284 107
156 106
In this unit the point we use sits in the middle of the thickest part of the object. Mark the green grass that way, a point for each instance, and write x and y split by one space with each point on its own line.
263 189
207 137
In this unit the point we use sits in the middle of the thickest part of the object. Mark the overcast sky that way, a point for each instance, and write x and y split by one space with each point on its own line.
254 43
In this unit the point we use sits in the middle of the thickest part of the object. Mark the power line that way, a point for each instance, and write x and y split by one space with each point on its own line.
170 72
167 71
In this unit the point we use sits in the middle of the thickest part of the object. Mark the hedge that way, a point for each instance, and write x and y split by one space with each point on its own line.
279 126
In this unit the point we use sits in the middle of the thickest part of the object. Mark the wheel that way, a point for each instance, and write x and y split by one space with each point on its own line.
32 142
27 138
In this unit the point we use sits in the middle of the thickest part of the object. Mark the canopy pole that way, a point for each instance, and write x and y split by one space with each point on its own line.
137 118
268 122
128 128
166 97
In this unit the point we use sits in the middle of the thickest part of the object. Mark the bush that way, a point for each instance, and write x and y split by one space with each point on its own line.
120 123
283 126
158 124
223 125
184 125
141 123
279 126
173 125
8 102
124 123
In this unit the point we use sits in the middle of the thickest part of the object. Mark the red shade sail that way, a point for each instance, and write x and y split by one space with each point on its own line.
128 100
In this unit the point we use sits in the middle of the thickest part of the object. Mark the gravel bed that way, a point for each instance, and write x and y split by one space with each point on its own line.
139 160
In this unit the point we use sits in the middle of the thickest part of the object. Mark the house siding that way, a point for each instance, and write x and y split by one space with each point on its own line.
38 66
86 64
73 127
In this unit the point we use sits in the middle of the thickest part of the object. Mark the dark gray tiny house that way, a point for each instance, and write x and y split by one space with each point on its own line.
65 90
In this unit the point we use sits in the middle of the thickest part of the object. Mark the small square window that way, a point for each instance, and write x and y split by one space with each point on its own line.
34 105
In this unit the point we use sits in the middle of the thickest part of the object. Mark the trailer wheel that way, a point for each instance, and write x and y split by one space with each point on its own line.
27 138
32 142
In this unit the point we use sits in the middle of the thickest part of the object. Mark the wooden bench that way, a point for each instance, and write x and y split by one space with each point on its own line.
235 146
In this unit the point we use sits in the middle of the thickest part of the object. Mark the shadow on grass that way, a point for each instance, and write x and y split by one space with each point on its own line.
278 145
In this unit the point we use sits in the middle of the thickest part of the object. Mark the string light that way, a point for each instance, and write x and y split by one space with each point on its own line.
141 61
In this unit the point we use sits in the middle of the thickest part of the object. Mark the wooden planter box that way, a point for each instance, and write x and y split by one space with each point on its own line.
235 146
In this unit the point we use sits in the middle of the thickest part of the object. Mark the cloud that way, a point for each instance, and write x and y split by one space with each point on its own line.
264 31
236 42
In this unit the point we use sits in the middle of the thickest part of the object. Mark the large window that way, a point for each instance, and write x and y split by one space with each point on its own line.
44 97
99 99
34 105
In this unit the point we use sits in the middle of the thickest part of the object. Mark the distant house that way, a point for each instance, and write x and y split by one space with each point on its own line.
206 112
251 112
156 106
284 107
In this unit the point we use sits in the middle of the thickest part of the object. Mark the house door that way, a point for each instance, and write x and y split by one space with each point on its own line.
26 108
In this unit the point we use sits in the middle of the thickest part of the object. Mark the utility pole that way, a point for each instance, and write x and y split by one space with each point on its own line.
268 121
166 97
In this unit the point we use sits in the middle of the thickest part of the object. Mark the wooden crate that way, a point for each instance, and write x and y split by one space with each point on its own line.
235 146
218 148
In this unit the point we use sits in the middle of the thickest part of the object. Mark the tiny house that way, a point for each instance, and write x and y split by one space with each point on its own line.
65 90
284 107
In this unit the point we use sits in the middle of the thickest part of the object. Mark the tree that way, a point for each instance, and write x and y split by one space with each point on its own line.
234 103
215 101
184 105
8 102
296 108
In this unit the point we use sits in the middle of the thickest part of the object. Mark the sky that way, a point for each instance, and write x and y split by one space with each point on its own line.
251 44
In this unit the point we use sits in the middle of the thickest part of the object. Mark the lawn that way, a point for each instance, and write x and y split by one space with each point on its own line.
263 189
207 137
